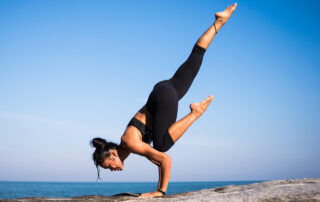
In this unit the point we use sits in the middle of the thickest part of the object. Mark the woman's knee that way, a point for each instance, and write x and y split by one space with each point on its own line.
161 148
165 145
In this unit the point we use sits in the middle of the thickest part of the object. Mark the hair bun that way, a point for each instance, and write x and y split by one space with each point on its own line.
99 143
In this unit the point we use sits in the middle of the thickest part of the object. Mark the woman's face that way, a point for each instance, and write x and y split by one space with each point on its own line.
113 162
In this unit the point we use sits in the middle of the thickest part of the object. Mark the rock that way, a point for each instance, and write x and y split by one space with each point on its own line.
306 189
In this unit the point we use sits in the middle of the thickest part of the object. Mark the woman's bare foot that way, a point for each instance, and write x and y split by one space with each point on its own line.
200 107
223 17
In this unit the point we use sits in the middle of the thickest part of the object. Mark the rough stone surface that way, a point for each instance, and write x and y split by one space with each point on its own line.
306 189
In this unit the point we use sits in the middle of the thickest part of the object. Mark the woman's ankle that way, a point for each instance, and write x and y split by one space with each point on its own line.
217 24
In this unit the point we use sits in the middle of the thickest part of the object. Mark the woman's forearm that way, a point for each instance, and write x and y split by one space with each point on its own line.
159 169
165 173
159 181
163 163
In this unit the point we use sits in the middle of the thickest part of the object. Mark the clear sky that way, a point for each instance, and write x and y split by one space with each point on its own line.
74 70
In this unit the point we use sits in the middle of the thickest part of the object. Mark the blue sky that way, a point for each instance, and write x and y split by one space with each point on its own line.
74 70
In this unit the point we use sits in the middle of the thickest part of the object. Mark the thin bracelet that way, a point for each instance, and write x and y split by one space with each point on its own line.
163 192
215 28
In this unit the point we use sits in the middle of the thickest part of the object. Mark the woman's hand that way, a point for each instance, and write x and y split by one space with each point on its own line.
151 194
161 159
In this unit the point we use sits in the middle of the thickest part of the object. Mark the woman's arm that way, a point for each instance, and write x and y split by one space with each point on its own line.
159 158
159 181
159 168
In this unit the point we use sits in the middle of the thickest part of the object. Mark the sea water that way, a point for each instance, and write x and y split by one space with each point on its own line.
12 190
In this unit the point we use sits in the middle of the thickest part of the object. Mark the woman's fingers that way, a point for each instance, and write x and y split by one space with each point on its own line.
151 194
146 195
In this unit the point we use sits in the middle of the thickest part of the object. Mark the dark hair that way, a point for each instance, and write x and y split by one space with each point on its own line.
101 152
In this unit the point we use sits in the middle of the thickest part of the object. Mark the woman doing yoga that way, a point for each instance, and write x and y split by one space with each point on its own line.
156 120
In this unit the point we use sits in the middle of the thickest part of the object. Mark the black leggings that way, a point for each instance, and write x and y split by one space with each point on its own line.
162 102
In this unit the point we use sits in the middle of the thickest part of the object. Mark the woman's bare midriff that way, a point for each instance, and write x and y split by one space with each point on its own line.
144 116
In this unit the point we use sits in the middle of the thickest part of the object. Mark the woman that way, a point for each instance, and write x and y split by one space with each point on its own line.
156 120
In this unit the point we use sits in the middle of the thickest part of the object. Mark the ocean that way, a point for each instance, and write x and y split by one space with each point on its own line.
12 190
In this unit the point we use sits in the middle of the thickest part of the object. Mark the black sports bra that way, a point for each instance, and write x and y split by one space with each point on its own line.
145 130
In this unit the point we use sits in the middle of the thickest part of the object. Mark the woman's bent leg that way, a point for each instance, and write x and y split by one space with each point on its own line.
177 129
162 104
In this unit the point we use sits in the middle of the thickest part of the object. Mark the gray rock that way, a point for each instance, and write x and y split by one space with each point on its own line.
306 189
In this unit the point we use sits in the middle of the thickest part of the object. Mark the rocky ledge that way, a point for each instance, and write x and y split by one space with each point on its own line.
306 189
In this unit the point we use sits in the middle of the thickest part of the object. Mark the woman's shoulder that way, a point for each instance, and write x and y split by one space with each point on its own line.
130 136
132 141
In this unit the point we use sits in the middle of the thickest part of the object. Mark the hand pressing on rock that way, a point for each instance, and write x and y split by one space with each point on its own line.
151 194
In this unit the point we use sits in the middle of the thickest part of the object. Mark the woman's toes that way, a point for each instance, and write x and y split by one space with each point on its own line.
207 100
200 107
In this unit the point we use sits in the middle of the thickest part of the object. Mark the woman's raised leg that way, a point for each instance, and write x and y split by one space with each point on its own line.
185 74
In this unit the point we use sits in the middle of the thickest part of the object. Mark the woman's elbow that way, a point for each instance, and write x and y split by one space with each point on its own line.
166 159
